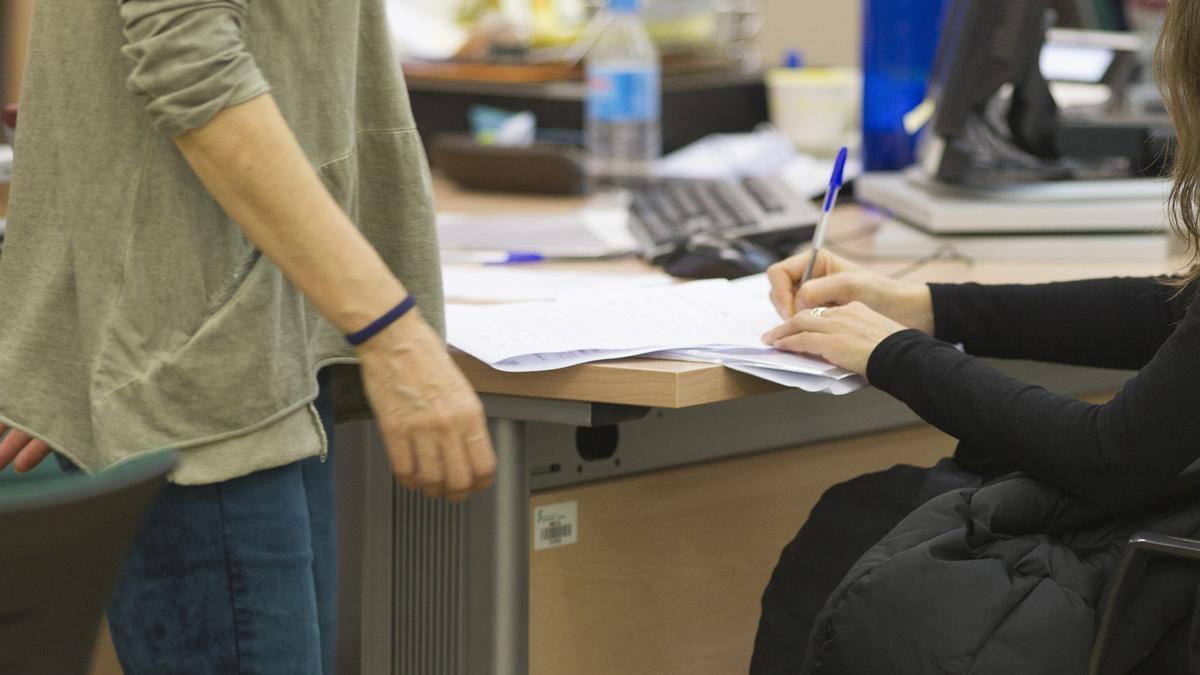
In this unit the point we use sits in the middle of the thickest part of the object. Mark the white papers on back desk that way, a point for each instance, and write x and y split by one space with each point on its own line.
764 153
534 283
711 321
596 231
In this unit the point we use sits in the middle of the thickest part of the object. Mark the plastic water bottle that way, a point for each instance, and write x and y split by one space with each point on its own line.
623 126
900 39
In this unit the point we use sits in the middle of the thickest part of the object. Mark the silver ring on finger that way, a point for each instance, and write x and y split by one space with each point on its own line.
818 311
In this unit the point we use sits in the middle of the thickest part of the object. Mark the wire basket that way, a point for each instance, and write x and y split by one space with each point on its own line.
729 27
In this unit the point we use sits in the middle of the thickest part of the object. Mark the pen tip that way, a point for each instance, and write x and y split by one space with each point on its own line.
839 166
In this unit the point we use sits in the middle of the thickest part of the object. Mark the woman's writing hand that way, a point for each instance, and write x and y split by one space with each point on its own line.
844 336
430 418
837 281
21 450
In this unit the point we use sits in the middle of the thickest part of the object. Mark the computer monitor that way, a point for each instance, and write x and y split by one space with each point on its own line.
986 46
1091 14
995 120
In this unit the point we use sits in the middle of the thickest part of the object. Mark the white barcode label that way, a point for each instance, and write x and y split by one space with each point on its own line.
555 525
557 532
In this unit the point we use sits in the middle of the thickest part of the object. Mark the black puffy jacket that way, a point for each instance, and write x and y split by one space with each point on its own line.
1003 579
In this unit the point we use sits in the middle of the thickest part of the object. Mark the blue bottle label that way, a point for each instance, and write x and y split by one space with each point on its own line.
624 94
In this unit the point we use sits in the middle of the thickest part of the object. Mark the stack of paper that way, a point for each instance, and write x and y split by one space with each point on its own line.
789 370
763 153
710 321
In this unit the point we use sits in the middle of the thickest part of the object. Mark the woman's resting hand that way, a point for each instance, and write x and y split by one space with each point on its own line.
430 418
844 336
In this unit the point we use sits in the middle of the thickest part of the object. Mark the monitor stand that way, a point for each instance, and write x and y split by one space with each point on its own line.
1046 191
1130 206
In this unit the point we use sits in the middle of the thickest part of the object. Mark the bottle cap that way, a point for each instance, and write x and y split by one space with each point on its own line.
625 6
793 59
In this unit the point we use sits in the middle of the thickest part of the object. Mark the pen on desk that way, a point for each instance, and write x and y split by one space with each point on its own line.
835 186
492 257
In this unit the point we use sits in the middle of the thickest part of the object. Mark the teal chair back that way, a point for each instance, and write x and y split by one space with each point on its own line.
62 541
47 470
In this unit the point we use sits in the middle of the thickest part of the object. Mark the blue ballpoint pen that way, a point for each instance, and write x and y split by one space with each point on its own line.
492 257
835 186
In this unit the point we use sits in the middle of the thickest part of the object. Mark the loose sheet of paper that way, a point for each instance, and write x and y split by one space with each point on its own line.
810 383
759 358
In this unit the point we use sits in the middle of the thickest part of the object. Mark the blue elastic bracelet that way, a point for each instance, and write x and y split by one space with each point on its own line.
382 322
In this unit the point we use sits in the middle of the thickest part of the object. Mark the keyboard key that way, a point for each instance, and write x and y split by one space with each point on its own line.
763 195
668 212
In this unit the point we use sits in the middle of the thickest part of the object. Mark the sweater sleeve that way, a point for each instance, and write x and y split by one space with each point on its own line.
1112 323
1115 455
189 59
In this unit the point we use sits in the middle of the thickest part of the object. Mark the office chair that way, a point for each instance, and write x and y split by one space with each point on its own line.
62 542
1141 549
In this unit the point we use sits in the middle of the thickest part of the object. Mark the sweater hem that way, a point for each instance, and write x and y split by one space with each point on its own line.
182 446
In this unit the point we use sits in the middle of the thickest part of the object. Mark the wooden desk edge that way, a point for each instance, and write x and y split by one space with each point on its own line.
642 382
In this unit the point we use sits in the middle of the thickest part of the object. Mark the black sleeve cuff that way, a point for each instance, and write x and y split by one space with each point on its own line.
950 306
880 365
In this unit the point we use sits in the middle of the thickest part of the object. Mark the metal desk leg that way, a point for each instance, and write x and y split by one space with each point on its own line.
427 587
461 574
498 582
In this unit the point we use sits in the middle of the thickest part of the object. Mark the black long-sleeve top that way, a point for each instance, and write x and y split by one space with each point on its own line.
1114 456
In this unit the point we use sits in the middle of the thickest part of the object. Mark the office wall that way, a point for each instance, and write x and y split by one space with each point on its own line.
827 30
16 14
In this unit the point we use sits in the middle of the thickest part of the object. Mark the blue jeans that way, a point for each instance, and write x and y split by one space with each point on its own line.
236 577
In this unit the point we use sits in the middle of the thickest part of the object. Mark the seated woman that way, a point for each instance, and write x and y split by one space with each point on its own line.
1001 565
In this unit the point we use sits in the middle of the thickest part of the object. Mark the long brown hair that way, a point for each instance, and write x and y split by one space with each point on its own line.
1177 65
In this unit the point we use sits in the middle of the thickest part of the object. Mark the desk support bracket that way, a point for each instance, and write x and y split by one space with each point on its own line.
570 413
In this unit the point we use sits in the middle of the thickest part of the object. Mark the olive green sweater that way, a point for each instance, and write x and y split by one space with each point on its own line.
134 315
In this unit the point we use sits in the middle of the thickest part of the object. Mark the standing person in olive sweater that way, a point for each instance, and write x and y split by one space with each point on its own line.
1114 458
210 196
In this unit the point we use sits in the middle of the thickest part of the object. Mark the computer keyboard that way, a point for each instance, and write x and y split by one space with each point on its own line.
668 212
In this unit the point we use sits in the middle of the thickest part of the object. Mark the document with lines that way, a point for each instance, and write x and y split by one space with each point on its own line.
709 321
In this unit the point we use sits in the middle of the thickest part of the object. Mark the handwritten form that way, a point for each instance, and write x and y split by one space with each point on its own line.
708 321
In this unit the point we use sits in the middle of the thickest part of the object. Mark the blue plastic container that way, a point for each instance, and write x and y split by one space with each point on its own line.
900 39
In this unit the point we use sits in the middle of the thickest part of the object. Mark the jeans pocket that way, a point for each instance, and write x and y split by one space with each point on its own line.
68 467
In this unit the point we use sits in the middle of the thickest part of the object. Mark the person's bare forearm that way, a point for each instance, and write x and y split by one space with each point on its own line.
430 419
249 160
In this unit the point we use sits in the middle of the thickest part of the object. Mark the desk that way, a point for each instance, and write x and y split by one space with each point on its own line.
446 589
